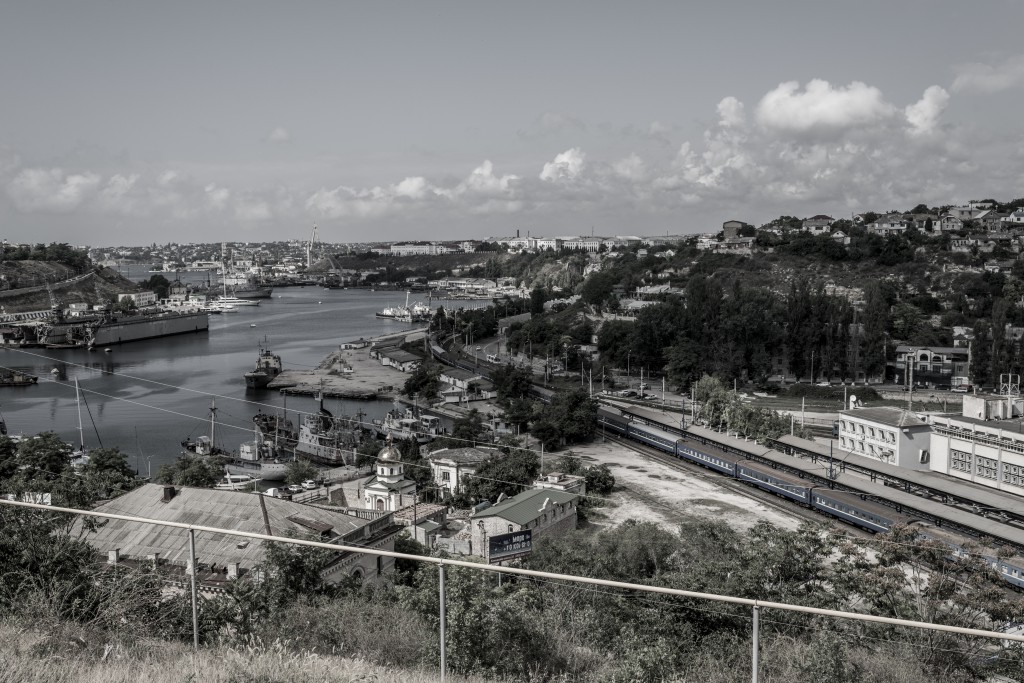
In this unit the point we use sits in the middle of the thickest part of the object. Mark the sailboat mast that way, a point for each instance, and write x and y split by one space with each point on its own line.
81 432
213 420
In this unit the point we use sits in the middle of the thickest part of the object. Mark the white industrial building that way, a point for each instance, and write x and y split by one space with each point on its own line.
984 445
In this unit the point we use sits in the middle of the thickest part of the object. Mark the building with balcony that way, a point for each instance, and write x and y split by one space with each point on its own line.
983 445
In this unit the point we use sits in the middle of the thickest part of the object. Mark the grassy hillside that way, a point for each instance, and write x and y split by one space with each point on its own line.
29 291
70 655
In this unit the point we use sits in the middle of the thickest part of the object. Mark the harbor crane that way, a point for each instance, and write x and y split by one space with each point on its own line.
309 248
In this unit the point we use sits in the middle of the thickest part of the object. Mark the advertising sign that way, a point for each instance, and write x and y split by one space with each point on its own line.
509 546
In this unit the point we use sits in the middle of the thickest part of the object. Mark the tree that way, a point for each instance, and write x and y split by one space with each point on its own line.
109 461
600 480
192 470
507 473
299 471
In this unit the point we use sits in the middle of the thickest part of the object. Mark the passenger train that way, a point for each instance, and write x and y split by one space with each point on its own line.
852 508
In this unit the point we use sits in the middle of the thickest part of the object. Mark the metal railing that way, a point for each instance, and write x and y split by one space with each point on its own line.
755 605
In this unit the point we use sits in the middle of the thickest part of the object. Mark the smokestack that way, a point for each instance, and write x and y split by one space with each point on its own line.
232 570
168 494
113 556
517 233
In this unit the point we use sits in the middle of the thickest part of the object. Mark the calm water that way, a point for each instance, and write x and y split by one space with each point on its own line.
145 397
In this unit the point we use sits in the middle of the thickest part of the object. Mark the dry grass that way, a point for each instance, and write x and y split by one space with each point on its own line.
69 655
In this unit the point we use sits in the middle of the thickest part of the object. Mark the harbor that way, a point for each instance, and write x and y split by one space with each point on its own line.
147 396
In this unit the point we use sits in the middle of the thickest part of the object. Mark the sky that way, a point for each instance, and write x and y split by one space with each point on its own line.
127 123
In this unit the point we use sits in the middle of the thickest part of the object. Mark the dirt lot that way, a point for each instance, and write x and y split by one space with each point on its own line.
649 490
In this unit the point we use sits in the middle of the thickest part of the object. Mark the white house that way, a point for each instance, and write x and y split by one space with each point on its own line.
388 489
448 466
892 435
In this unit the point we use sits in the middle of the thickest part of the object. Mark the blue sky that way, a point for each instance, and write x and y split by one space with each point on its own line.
139 122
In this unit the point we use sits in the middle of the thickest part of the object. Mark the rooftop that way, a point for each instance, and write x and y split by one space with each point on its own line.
527 506
463 456
235 510
894 417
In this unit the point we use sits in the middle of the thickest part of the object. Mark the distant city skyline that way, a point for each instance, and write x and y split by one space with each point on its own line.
132 123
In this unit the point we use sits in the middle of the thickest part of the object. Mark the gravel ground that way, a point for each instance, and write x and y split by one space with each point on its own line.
649 490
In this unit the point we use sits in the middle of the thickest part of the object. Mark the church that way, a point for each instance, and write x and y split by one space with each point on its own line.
389 490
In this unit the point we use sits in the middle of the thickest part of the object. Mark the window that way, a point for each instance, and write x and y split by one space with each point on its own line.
510 529
985 467
446 476
380 565
1013 474
960 461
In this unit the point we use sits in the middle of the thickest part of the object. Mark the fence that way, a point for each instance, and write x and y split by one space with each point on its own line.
755 605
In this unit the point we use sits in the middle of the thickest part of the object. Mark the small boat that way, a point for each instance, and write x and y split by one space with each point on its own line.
108 350
252 324
235 482
268 366
204 445
17 379
55 371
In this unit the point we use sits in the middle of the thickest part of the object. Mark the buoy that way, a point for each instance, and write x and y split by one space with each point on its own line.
55 371
108 350
319 302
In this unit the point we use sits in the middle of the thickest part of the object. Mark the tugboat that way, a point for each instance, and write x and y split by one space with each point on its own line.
406 426
258 459
17 379
268 366
326 439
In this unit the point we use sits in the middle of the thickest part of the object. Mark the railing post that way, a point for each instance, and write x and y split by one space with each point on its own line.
754 665
440 591
195 589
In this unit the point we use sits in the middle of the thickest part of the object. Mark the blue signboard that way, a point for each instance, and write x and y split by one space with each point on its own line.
509 546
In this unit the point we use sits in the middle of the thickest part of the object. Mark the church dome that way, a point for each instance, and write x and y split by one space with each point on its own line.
389 453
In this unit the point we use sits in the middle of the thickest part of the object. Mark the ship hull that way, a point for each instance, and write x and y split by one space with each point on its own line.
129 329
267 471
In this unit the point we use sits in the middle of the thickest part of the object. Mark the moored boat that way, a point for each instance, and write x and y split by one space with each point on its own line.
16 378
236 482
268 366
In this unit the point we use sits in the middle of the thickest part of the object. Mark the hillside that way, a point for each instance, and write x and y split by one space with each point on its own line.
24 285
70 655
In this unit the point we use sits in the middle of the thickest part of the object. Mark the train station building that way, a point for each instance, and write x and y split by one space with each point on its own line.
984 445
891 435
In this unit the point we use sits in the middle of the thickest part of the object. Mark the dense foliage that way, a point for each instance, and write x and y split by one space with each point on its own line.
58 253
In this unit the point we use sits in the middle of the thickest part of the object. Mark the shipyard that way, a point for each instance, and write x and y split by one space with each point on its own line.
463 343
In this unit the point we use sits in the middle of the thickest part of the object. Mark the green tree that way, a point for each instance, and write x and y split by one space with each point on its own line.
192 470
299 471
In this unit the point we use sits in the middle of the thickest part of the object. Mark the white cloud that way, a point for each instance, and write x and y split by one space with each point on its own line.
730 112
820 107
565 166
480 192
39 189
923 115
279 134
630 168
987 78
413 188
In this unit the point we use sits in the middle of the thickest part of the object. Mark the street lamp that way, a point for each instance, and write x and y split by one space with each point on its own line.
627 365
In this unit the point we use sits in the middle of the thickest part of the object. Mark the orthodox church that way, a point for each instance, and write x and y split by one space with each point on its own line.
389 490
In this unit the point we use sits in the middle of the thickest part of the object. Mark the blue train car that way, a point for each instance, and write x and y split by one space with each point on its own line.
787 485
851 508
612 419
1010 567
652 436
721 462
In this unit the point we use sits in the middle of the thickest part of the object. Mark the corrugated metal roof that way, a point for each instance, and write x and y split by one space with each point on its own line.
526 507
234 510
